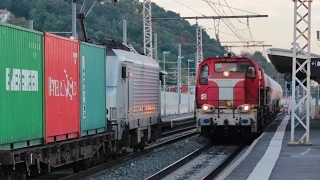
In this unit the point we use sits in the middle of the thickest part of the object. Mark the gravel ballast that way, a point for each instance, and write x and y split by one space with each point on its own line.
145 166
203 164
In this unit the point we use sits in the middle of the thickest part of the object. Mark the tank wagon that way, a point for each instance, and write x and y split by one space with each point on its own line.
67 102
234 97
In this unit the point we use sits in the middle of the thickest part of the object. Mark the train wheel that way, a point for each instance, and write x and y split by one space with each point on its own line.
107 158
214 138
76 167
23 176
84 164
10 176
247 135
141 146
135 149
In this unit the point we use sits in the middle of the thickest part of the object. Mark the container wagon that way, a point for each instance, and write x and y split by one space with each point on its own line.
67 102
21 105
61 64
40 108
93 89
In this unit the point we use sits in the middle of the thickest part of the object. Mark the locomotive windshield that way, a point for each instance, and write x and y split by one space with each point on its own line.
233 66
238 67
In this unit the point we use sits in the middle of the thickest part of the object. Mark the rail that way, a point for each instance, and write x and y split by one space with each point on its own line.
224 163
123 159
188 158
178 163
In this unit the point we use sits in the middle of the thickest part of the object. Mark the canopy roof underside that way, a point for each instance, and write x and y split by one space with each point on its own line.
282 61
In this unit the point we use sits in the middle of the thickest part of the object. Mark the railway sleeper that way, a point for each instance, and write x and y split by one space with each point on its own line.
79 153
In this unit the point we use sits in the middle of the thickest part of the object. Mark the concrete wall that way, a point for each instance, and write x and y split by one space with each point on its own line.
172 103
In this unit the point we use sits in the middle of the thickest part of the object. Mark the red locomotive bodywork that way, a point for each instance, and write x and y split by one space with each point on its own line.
244 90
234 94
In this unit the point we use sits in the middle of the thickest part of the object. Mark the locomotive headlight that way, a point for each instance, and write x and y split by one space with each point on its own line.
226 73
246 107
205 107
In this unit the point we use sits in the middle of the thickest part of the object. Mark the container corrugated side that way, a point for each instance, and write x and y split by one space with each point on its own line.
21 92
93 89
61 88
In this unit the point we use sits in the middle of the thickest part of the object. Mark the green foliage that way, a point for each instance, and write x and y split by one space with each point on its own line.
104 23
268 67
18 21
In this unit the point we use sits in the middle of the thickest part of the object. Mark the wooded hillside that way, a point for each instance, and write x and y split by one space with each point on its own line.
104 23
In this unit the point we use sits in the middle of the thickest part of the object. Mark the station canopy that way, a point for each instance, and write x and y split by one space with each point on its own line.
282 61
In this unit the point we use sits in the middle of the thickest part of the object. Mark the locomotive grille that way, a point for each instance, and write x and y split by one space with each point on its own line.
145 89
113 113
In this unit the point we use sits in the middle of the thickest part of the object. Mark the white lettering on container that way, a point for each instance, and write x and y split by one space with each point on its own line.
67 87
75 56
83 87
21 80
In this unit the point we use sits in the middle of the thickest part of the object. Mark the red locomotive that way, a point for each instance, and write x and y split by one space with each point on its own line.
234 96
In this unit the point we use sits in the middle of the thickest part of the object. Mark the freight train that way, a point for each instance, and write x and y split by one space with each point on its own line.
67 102
234 98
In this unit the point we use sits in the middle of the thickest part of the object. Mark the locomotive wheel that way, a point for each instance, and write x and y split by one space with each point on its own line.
135 149
107 158
23 176
141 146
10 176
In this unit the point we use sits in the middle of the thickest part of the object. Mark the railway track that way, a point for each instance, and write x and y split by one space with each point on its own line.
189 167
68 174
223 164
176 131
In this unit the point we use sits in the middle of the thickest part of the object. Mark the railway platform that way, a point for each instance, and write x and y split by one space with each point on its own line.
270 156
178 120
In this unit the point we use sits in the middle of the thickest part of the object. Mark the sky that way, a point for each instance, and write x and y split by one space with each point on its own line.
276 29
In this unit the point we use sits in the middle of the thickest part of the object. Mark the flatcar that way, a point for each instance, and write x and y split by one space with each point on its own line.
234 97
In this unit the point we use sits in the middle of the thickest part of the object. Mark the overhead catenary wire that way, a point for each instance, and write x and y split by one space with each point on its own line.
243 35
236 31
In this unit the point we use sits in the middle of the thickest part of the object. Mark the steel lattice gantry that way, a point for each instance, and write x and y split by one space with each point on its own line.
147 28
199 47
301 43
295 65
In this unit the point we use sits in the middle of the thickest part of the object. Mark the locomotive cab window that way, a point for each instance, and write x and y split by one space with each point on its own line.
204 73
236 67
250 74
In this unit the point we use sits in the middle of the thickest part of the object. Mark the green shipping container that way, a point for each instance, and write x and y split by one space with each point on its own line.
93 89
21 92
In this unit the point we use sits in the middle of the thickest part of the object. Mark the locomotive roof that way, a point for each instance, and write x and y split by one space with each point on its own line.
222 58
132 57
234 58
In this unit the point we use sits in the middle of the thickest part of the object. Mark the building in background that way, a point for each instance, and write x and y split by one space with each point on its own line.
4 15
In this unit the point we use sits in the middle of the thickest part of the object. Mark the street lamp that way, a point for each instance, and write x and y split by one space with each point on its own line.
164 81
179 80
189 60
